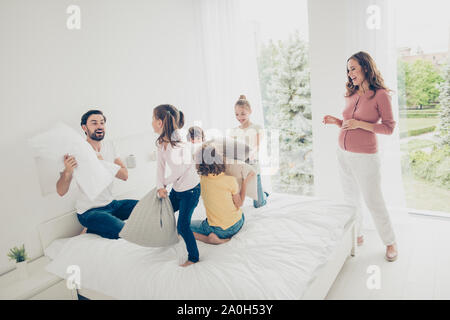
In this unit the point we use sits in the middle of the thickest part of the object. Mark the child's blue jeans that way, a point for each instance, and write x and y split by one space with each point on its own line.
185 202
203 227
262 198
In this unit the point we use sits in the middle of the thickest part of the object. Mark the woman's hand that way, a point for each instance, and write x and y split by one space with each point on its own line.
350 124
162 193
332 120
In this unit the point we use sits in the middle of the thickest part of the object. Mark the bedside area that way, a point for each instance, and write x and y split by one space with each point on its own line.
38 285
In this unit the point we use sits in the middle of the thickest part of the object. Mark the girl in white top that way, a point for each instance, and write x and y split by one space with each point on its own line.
185 193
250 133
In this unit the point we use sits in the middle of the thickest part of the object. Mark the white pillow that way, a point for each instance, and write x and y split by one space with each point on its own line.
91 176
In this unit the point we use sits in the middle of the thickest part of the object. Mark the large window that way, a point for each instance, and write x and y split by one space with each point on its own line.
280 31
424 102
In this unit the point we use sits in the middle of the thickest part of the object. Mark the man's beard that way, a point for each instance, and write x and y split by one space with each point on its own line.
94 136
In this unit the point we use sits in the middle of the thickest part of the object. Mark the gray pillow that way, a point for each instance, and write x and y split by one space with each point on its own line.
151 223
232 148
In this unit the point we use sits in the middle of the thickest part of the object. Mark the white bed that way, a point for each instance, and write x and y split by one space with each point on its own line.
292 248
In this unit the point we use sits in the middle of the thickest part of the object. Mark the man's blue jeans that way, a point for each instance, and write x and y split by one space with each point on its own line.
107 221
185 202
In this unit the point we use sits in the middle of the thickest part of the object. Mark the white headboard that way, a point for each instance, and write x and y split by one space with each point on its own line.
65 226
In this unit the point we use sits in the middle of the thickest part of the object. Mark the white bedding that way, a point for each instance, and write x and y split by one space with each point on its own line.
276 255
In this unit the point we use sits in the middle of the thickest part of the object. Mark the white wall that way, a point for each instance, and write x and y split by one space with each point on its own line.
339 29
327 64
125 59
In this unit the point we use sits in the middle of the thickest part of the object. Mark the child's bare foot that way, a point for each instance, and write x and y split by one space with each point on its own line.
187 263
214 239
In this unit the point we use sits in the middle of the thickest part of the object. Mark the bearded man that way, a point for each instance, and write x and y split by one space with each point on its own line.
103 215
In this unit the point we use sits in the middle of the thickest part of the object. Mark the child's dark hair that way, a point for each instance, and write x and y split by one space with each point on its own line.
195 132
209 161
172 119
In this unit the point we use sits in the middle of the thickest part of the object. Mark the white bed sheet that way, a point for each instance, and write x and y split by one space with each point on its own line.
276 255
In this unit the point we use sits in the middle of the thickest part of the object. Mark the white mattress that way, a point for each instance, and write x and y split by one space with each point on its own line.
276 255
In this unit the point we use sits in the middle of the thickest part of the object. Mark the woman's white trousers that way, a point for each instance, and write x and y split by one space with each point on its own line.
360 177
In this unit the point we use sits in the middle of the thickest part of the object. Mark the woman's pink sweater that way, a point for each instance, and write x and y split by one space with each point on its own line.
370 110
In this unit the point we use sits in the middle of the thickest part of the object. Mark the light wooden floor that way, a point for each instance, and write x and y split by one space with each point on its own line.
422 270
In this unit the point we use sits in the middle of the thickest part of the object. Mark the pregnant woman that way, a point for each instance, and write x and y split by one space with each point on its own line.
367 100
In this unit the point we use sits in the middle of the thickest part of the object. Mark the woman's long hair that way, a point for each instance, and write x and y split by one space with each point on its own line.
172 119
371 73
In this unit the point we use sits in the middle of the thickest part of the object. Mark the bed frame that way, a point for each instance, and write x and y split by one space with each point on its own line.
68 226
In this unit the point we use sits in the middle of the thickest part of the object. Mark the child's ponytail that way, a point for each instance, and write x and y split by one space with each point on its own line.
180 119
170 117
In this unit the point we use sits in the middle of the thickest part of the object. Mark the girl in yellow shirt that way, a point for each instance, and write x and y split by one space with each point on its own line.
221 197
